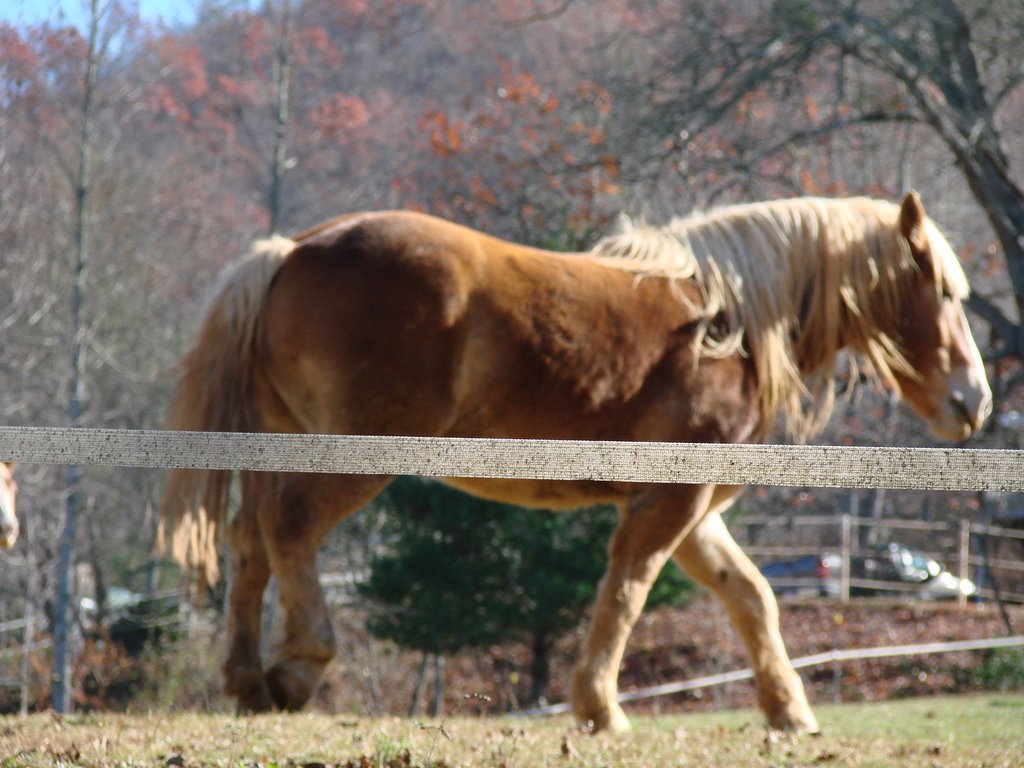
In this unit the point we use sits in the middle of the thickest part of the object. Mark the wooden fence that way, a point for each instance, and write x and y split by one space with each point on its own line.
968 559
993 470
820 466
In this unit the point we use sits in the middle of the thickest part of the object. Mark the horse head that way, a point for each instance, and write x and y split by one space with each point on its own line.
8 519
947 385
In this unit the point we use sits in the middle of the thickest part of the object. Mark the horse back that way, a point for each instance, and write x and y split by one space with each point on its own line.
401 323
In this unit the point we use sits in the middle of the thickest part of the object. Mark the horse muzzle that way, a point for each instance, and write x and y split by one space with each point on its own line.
966 409
8 528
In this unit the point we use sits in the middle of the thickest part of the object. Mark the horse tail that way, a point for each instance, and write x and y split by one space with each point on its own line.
215 393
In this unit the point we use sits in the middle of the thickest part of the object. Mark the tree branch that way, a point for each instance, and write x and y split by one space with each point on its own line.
1004 328
1011 84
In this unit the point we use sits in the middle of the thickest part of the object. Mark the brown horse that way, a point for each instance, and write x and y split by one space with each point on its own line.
710 329
8 518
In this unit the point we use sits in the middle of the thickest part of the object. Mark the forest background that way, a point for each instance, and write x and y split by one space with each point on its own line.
138 159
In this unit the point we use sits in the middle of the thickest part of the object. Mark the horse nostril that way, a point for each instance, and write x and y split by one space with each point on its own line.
974 416
960 407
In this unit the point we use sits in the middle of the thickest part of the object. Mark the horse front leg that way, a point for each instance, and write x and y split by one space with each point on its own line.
650 528
309 506
249 572
711 556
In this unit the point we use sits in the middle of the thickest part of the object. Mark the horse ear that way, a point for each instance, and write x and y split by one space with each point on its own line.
912 219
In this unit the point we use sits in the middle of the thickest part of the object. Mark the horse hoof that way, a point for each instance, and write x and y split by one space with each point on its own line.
291 686
252 695
610 719
254 707
594 704
614 720
795 720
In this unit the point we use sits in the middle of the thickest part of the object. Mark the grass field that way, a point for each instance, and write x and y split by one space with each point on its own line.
947 732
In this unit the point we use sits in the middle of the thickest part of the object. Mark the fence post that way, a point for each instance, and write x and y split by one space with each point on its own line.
965 544
26 648
845 543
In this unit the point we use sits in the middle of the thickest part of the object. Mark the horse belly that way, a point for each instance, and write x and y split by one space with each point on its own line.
541 494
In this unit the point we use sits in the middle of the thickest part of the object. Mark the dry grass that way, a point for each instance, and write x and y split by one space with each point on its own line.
954 732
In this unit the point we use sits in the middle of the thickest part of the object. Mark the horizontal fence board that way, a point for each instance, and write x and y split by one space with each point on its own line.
878 585
785 521
875 553
813 466
995 562
787 552
996 530
815 660
1006 597
909 525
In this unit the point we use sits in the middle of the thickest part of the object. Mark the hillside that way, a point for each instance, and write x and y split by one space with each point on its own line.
672 644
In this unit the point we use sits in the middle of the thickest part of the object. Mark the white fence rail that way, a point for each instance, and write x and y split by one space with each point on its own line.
815 660
815 466
787 465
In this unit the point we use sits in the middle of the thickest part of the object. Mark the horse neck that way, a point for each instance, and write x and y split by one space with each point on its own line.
848 285
832 291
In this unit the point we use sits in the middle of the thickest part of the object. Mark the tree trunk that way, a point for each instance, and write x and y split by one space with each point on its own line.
96 564
61 656
417 690
952 100
28 638
437 707
1003 203
281 37
540 668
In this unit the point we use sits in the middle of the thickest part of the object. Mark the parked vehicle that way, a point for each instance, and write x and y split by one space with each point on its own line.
811 575
907 567
134 619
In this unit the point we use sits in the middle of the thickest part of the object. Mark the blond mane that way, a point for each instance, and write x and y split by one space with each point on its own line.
790 283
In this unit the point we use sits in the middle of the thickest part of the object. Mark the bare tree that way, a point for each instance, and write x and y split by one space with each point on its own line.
67 109
80 173
947 65
280 26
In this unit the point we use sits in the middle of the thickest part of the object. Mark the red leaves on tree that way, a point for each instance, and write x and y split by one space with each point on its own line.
445 135
339 115
19 62
185 82
518 148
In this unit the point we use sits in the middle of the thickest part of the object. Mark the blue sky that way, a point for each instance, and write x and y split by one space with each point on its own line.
21 12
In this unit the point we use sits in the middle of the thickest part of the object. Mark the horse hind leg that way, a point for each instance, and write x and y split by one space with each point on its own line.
249 572
307 508
711 556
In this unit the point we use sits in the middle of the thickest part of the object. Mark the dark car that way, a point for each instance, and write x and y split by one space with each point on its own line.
812 575
911 572
134 619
